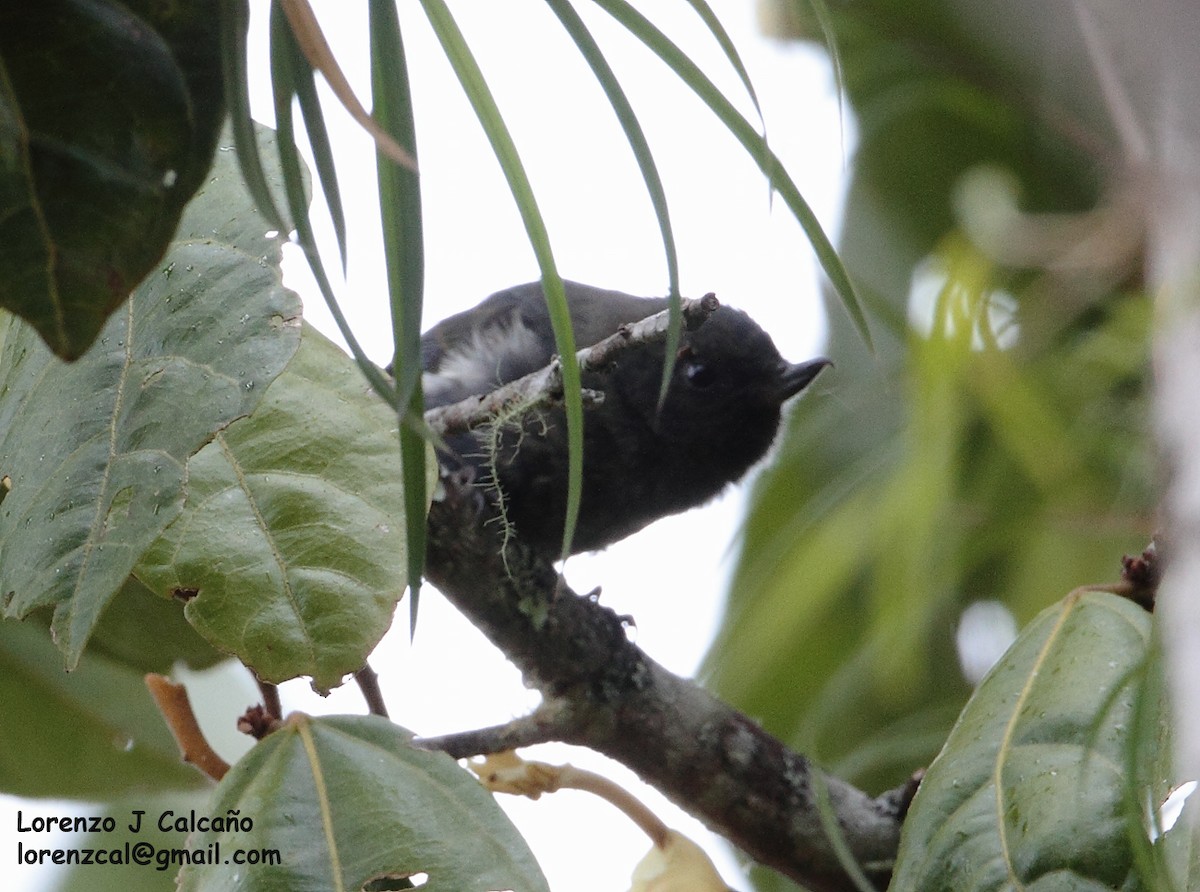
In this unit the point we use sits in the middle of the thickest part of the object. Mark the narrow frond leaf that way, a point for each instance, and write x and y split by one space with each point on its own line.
687 71
284 58
825 21
318 139
316 50
705 11
403 247
607 79
484 104
235 18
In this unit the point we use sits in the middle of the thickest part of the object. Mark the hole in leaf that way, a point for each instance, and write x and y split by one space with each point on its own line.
985 631
390 882
1172 807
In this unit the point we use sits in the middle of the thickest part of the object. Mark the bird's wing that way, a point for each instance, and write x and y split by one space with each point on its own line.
509 335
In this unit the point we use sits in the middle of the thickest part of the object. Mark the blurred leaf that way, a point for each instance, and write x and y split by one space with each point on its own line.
131 876
290 549
92 733
934 97
96 449
1178 852
1164 852
862 555
345 799
993 448
150 634
1028 790
99 158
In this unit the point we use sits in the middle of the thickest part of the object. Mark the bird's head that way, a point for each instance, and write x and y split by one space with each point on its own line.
727 389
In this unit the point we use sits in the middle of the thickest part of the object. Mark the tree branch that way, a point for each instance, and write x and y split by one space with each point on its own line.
601 691
545 384
528 730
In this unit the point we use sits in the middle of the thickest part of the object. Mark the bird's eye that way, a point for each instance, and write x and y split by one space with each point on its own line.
698 374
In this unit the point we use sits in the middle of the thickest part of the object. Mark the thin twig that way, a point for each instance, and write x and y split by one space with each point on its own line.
542 726
172 701
368 682
270 698
506 772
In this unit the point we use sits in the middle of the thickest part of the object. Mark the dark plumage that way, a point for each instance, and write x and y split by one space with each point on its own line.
640 462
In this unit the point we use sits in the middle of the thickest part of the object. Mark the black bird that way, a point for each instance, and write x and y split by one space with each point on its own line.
641 461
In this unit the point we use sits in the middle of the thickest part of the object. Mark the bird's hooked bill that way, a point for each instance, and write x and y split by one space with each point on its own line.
797 376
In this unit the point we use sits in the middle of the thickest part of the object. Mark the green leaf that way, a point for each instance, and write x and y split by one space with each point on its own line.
318 139
97 159
97 449
148 633
90 734
404 253
729 48
345 800
1029 790
290 549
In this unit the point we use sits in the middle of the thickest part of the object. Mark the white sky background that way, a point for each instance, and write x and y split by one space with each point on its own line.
670 577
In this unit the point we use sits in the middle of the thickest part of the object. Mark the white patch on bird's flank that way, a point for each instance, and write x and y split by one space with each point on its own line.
476 367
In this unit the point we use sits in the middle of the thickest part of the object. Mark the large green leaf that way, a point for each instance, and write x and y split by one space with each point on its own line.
291 546
109 113
89 734
96 449
1030 790
344 800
